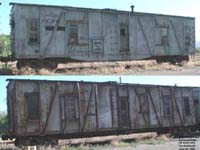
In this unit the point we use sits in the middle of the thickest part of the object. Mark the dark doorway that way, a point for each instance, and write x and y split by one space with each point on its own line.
124 38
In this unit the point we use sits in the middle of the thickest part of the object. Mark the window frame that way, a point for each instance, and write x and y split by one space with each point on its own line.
143 104
32 115
73 34
123 102
167 104
187 109
188 36
33 36
164 35
66 100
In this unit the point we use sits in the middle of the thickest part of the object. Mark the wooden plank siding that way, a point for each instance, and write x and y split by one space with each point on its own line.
99 35
78 107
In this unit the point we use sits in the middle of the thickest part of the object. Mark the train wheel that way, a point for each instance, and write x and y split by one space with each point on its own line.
52 142
20 142
20 64
172 59
24 63
51 65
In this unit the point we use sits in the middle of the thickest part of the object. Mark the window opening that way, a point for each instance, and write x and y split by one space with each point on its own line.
73 34
32 100
187 106
166 105
143 103
33 31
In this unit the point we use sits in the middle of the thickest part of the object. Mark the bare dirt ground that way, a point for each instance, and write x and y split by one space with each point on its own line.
161 142
147 67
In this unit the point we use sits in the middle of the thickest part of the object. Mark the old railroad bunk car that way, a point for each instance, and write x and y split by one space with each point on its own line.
47 110
57 33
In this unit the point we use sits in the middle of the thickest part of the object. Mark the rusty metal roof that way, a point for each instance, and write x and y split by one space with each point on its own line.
108 82
107 10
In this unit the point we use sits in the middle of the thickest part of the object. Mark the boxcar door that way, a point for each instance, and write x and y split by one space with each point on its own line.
53 33
123 112
53 42
124 38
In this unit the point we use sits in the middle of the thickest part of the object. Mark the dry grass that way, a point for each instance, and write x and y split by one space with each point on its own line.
126 67
115 142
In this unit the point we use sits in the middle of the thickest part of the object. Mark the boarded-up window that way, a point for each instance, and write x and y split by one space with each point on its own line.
60 28
73 34
124 111
164 36
49 28
187 106
33 31
143 103
166 105
32 101
123 102
70 108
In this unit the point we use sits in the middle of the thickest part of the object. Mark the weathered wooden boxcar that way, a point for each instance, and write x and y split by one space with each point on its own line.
39 111
41 32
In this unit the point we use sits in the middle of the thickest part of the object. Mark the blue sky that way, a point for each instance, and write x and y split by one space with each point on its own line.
160 80
173 7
